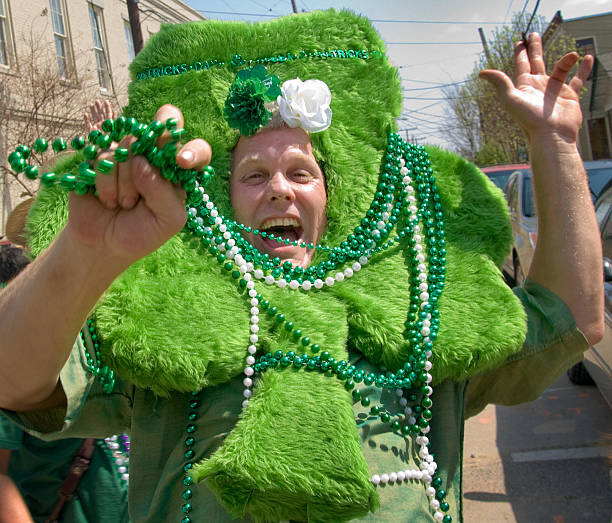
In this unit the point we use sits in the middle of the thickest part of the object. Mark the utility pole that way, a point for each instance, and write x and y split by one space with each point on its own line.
484 45
294 6
134 15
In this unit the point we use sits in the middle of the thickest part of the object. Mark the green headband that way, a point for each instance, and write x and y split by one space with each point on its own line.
238 61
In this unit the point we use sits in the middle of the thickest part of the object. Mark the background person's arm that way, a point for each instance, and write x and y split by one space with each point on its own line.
567 258
12 506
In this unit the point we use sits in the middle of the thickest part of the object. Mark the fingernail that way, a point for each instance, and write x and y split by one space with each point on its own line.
187 155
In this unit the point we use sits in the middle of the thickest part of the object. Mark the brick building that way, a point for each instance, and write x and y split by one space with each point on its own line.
56 56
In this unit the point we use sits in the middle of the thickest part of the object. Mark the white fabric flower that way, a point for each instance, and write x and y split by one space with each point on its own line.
305 104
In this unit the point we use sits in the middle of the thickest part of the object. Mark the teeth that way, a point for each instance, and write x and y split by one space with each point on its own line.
280 222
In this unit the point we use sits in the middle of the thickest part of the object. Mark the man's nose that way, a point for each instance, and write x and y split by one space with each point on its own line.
280 188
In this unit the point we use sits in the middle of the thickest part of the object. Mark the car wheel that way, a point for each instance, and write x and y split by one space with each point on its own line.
578 375
519 276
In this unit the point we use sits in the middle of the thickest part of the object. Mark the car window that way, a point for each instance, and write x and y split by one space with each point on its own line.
606 237
500 178
598 178
527 198
510 193
604 219
603 207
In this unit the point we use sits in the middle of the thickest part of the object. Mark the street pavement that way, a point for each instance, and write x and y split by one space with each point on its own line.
545 461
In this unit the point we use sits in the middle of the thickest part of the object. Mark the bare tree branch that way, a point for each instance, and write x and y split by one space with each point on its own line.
477 124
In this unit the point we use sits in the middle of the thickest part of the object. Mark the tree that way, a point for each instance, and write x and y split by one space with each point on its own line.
463 124
477 123
36 101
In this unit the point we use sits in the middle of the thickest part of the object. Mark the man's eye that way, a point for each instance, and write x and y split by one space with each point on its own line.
301 176
253 177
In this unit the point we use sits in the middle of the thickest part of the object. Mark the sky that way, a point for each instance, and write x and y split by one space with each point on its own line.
433 43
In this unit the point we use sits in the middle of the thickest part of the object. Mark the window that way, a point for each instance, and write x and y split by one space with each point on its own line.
99 41
586 46
5 36
599 138
60 36
528 204
130 42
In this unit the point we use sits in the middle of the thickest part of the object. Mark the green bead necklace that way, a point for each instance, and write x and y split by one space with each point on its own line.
406 201
412 381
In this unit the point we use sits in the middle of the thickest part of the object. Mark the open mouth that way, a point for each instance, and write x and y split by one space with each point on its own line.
285 228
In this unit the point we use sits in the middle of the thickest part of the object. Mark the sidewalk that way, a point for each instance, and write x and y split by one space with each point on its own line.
545 461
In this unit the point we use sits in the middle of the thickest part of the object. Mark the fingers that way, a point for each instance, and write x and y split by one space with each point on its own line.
97 115
163 113
99 112
500 81
117 189
564 66
107 111
137 179
88 123
195 154
165 200
584 70
534 52
521 60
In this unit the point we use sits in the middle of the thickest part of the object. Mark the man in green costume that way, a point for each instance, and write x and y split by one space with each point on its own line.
354 328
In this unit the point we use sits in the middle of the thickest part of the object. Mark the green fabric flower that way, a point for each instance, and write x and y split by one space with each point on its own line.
245 108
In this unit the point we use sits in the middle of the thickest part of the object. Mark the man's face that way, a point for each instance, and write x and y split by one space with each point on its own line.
277 186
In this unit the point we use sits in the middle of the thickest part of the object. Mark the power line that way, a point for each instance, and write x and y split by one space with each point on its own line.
374 20
432 43
412 117
425 125
440 86
431 115
235 13
417 98
420 111
441 22
410 114
438 61
263 6
524 7
420 81
508 10
229 6
306 6
275 4
535 9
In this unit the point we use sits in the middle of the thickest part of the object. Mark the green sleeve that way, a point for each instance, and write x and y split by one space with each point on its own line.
11 436
89 412
553 344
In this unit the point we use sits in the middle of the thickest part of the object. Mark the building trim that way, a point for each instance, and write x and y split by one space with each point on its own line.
587 17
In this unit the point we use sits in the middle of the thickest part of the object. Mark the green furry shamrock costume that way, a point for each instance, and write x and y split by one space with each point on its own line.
177 322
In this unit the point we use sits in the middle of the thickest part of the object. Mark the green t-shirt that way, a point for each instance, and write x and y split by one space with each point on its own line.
157 425
38 468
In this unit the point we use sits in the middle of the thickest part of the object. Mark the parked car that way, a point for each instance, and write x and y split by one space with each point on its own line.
499 174
519 194
597 364
599 173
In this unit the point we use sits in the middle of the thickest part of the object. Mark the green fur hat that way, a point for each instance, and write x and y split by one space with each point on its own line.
175 321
